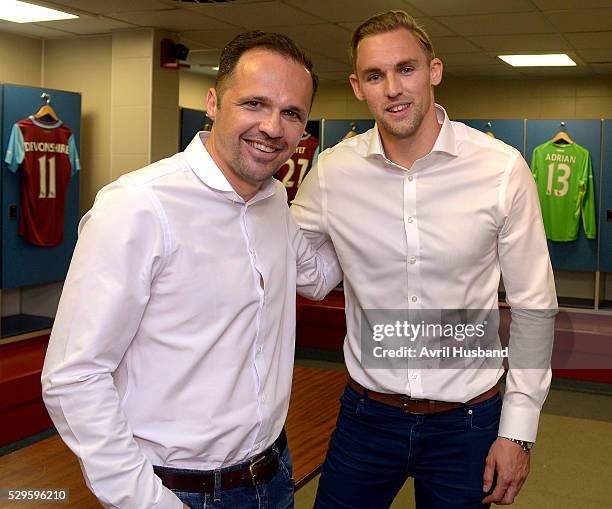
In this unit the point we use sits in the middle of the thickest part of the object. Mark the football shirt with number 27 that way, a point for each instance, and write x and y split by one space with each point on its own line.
301 162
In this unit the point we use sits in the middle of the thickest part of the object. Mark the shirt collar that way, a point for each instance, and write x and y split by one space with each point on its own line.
203 165
42 123
208 172
445 142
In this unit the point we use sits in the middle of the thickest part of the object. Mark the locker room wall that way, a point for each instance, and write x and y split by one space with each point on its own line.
20 60
124 94
530 98
165 114
338 102
86 68
131 105
193 89
534 98
544 98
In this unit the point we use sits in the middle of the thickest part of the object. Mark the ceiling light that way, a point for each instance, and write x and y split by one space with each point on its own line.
215 68
555 60
23 12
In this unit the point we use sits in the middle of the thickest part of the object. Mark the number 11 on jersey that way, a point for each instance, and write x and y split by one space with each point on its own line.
42 168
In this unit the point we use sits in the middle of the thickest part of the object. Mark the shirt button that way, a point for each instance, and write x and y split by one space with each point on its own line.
413 261
259 349
410 219
409 178
263 399
414 376
414 298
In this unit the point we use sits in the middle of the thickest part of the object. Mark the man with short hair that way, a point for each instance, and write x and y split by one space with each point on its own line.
425 214
169 367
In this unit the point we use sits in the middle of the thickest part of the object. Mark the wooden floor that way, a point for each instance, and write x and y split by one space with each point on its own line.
313 410
312 418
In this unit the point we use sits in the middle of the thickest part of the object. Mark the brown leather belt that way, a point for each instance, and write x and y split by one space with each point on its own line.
419 406
261 468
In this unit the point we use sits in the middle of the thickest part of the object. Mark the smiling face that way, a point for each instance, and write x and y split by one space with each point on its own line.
259 118
394 76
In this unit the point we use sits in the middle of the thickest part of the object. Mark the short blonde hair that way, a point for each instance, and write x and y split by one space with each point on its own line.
387 22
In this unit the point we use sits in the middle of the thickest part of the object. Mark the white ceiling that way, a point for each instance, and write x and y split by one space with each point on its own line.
467 34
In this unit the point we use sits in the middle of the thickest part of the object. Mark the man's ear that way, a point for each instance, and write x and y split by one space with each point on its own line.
354 81
435 71
212 103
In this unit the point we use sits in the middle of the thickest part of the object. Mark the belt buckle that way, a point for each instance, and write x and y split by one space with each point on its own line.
251 471
408 399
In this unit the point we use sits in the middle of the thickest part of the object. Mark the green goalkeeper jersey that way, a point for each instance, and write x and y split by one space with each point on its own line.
564 178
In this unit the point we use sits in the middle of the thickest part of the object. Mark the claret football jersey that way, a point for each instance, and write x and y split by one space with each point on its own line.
47 155
564 178
295 169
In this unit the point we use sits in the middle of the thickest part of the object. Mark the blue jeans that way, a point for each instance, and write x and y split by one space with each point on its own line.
376 447
276 493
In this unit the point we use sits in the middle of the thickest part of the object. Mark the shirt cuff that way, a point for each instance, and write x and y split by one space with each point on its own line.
519 423
168 500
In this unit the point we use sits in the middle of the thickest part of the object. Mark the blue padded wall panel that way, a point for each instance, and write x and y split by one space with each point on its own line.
335 130
192 121
22 263
580 255
511 132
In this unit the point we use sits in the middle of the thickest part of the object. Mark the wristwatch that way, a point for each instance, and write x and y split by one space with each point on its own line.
526 446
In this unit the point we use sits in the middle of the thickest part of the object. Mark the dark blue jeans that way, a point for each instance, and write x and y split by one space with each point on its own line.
376 447
277 493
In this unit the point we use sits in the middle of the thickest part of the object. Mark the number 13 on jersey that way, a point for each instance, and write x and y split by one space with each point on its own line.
563 174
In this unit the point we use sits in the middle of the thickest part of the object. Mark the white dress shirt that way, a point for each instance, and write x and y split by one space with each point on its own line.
437 236
174 339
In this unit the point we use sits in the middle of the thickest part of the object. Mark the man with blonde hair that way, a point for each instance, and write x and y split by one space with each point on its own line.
426 215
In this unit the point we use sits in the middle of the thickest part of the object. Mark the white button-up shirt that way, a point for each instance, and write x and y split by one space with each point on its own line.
174 339
437 236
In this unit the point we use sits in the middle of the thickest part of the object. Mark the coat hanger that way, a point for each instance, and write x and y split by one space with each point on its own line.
562 136
351 133
46 110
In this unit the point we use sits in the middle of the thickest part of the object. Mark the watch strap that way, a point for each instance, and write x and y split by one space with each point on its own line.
526 446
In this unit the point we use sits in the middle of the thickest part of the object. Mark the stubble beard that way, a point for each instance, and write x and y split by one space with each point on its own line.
407 128
252 172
